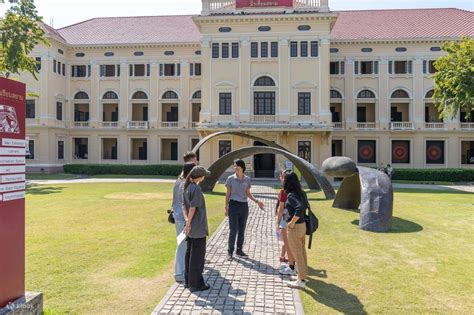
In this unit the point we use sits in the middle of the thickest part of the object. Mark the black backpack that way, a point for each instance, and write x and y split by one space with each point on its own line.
312 222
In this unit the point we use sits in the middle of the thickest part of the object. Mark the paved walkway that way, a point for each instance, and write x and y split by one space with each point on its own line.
242 286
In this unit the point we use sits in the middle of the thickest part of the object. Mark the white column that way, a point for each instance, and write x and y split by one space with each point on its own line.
324 83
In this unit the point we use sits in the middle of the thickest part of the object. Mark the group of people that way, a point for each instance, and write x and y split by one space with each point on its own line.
190 216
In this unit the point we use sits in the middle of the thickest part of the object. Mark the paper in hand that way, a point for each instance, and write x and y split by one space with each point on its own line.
181 237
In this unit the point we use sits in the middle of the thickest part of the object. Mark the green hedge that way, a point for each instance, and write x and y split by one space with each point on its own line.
440 175
116 169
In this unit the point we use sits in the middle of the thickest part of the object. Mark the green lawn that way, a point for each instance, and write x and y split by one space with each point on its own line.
103 248
425 266
108 248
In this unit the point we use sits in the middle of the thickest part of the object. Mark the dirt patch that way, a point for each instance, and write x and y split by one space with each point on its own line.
129 295
139 196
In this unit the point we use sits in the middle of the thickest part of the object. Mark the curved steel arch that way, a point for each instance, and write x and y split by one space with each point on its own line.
236 133
314 178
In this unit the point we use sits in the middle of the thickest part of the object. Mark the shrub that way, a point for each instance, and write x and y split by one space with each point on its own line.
439 175
117 169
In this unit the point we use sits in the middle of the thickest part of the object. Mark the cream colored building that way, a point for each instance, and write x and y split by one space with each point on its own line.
144 90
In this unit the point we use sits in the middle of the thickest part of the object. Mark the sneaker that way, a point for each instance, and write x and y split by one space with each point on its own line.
298 284
203 288
287 271
295 277
179 279
229 257
241 254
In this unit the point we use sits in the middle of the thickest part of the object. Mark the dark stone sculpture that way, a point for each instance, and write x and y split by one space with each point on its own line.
313 177
236 133
369 188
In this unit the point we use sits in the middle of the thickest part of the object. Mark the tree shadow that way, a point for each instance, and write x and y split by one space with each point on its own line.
334 297
400 225
42 190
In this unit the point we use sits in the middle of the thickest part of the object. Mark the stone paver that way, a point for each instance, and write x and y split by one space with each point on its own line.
242 286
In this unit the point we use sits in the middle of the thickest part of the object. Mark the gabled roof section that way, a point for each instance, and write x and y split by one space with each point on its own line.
403 24
132 30
52 33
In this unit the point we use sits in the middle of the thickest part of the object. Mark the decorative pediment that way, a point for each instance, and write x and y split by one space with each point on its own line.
305 85
225 85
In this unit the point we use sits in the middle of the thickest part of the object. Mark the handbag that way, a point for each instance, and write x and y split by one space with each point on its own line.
171 216
311 221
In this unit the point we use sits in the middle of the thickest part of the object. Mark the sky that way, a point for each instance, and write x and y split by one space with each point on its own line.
60 13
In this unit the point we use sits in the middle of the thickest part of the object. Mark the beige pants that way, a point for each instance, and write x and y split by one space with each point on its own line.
297 242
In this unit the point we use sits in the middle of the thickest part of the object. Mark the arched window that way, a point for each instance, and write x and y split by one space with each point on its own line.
429 94
140 95
400 94
335 94
110 96
169 95
197 95
366 94
81 96
264 81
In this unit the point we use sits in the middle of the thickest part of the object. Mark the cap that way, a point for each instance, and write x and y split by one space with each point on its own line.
199 171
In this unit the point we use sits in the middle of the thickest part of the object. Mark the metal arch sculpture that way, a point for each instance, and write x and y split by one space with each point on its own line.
236 133
314 178
369 188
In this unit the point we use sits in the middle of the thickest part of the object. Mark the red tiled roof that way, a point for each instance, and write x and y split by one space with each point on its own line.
52 33
132 30
403 24
350 25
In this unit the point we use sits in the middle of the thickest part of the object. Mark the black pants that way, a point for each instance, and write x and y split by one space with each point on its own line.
238 215
195 255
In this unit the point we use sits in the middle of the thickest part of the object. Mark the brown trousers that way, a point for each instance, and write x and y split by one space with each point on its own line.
297 242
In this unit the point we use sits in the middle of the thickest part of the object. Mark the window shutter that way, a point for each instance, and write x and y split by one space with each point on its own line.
356 67
161 69
424 66
178 69
89 70
343 67
148 70
130 68
118 70
74 71
376 67
191 69
102 70
390 67
410 67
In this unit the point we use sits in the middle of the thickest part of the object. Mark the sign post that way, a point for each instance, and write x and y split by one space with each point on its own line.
12 197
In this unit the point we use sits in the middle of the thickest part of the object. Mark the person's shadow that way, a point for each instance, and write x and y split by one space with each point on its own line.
331 295
221 297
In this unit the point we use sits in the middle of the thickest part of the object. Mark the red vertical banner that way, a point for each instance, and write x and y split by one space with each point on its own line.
12 190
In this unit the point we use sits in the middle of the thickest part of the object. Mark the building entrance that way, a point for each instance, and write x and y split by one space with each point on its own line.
263 164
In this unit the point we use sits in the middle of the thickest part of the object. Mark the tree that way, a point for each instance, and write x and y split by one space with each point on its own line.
454 79
20 32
